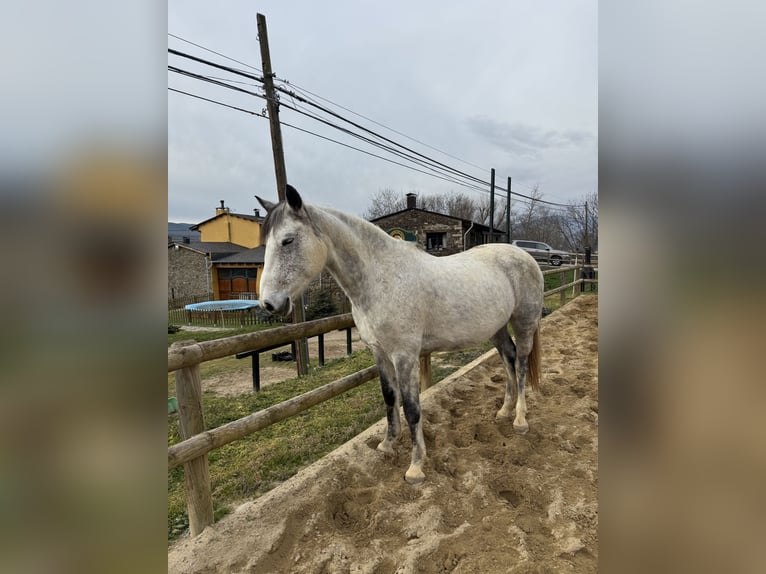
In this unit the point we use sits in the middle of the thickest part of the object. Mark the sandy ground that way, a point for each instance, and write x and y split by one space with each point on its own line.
493 501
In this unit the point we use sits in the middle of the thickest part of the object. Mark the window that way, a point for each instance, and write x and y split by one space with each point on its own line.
435 241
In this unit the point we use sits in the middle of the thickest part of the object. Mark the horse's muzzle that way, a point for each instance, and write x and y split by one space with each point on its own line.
277 307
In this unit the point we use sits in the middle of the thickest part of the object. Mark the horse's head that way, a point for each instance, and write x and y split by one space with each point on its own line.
295 252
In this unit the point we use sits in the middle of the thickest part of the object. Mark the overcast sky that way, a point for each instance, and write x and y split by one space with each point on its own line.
504 84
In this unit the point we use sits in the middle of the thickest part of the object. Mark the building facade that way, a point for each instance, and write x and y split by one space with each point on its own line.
433 232
227 261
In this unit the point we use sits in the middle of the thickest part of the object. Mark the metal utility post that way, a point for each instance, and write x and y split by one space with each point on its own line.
272 105
492 207
587 239
508 215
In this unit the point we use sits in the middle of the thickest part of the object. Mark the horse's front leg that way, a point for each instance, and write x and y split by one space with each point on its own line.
409 384
391 398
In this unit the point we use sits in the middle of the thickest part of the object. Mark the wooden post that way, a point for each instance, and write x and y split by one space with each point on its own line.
272 105
563 293
199 501
256 366
574 278
321 349
425 372
492 206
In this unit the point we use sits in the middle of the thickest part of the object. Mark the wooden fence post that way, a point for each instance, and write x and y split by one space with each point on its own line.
563 294
199 500
574 278
425 372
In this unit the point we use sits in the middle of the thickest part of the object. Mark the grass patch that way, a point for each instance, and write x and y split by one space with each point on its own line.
451 361
247 468
553 280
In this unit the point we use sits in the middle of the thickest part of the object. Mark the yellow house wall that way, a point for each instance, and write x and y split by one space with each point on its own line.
246 233
232 229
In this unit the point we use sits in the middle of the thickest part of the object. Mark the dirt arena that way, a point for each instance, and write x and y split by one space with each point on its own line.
493 501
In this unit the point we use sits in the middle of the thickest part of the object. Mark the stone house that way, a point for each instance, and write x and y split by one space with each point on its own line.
435 233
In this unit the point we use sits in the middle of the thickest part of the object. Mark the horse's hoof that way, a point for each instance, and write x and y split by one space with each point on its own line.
414 474
521 429
386 448
503 415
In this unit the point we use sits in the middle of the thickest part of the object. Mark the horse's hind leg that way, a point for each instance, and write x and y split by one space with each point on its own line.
408 376
391 398
507 350
524 345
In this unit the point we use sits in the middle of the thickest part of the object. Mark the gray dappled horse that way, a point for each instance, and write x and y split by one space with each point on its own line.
406 302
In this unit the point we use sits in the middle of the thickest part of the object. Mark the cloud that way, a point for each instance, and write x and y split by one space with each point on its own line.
526 140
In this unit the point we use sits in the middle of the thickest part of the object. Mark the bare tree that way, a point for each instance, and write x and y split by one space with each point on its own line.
385 201
572 224
459 205
530 219
481 211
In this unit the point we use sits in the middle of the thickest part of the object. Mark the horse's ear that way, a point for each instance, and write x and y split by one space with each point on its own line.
267 205
293 198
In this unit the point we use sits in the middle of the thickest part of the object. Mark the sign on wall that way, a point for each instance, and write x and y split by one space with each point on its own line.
398 233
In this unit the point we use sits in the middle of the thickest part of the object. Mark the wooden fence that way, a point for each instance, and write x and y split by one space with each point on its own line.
179 315
185 357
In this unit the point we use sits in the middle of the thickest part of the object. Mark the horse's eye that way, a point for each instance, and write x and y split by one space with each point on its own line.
287 241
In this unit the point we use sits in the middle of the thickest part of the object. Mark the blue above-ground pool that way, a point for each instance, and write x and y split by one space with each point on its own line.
225 305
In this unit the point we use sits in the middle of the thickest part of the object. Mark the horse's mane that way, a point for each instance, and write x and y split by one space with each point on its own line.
356 225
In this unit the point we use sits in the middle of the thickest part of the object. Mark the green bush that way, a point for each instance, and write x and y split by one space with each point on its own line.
323 305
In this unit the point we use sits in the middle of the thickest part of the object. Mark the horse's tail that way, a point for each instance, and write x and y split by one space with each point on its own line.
533 375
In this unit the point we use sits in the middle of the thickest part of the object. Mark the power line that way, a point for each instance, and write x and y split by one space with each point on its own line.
327 111
252 113
446 177
286 124
435 163
214 52
307 91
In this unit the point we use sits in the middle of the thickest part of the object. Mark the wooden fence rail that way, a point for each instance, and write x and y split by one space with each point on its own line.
204 442
185 357
188 355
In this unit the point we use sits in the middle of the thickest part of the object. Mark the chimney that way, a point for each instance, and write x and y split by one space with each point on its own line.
187 239
257 212
412 201
222 209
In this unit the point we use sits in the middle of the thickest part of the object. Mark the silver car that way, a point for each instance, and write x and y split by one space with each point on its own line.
542 252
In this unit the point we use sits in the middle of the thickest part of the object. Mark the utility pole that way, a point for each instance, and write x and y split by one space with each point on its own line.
587 239
272 106
508 215
492 207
